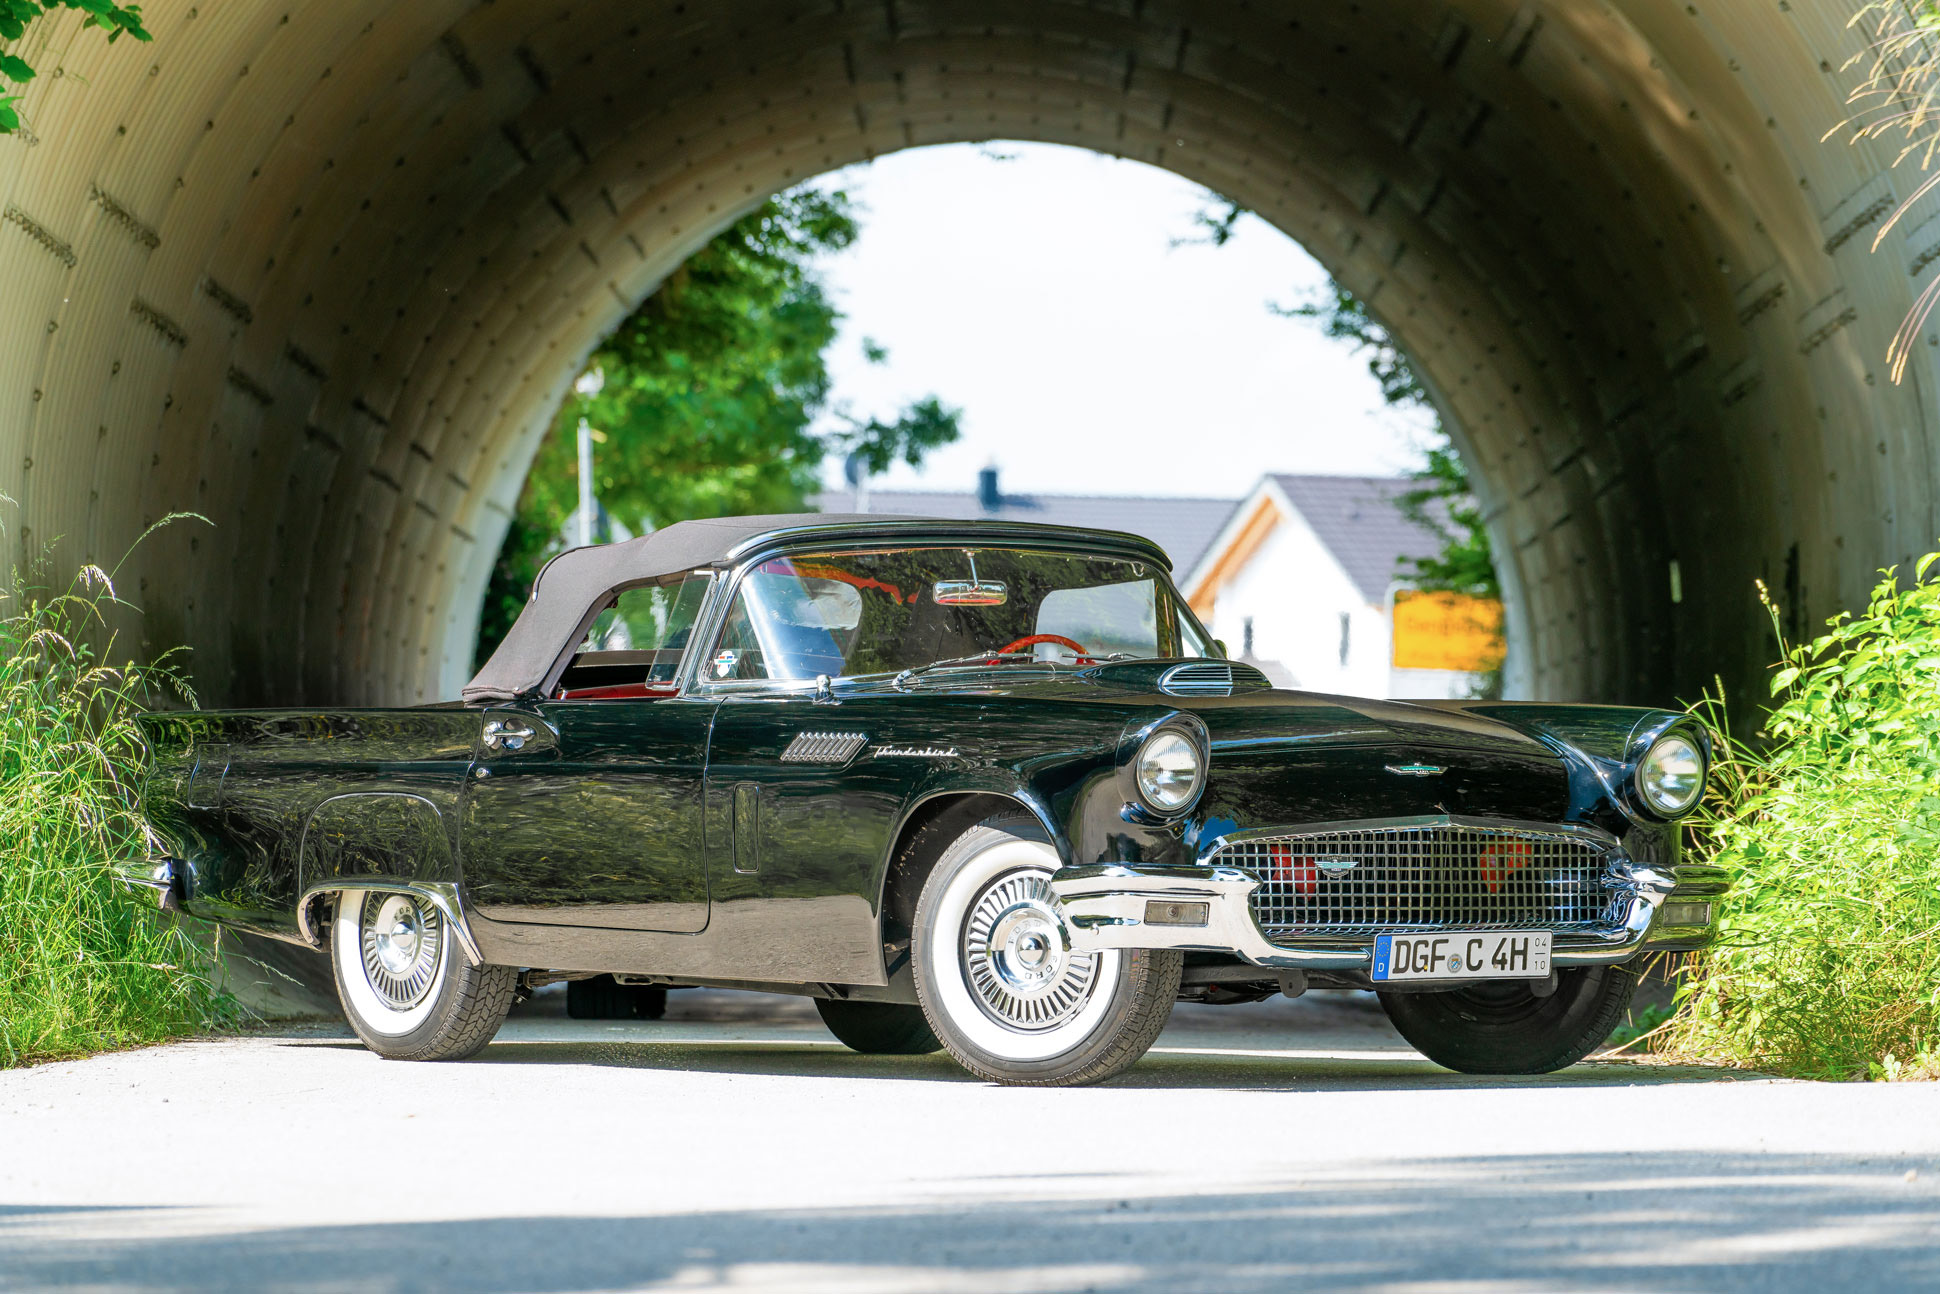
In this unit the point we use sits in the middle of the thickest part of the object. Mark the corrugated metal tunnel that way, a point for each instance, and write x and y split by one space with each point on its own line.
322 272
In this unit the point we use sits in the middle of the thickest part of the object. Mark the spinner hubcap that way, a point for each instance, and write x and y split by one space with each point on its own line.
402 938
1018 957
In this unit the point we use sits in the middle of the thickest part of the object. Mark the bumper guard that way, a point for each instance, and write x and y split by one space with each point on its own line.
1111 905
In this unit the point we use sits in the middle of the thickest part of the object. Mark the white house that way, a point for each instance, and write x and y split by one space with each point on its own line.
1302 582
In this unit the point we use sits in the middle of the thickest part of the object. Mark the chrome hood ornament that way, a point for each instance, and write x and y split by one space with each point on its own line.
1417 770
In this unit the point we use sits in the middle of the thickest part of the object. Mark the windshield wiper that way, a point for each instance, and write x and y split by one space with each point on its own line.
976 658
991 658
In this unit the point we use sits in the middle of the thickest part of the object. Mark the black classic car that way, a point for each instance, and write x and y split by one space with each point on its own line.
979 786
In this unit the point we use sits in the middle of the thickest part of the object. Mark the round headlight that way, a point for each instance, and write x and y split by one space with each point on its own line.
1671 775
1168 771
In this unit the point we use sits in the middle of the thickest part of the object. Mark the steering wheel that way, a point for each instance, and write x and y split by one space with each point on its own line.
1032 640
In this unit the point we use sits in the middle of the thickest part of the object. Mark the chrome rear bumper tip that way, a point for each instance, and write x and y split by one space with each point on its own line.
160 875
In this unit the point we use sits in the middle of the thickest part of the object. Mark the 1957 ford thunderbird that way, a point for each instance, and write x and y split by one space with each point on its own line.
979 786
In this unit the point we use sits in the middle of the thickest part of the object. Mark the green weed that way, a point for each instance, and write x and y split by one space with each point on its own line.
1829 960
85 965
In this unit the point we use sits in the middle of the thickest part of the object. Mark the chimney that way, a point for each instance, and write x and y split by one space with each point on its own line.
988 496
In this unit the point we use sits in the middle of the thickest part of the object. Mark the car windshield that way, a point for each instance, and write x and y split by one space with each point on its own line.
840 614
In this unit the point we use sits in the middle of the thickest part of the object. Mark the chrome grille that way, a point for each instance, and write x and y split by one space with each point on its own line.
1443 876
1211 678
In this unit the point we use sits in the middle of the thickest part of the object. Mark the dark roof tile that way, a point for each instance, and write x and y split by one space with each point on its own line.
1359 520
1181 526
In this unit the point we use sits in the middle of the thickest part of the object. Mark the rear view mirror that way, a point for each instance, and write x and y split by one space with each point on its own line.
970 593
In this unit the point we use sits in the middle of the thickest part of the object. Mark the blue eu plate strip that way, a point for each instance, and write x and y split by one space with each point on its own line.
1383 950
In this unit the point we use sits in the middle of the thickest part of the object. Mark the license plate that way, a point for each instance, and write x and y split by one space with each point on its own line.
1493 954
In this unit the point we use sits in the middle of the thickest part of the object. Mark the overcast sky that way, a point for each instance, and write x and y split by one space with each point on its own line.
1042 296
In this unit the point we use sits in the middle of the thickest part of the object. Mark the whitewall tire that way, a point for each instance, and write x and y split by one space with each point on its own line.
999 982
404 983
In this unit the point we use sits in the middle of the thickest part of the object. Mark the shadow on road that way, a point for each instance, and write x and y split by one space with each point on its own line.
1678 1221
1326 1042
1194 1066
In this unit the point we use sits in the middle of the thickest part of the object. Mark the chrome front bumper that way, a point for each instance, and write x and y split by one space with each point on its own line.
1112 905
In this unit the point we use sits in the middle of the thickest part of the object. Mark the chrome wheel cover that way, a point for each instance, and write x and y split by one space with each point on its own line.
400 941
1017 956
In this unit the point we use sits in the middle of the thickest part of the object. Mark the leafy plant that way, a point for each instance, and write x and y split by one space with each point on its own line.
1829 960
84 965
709 397
15 17
1640 1030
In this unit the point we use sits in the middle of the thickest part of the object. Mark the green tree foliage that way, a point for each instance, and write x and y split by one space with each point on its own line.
16 15
711 392
1828 964
1443 501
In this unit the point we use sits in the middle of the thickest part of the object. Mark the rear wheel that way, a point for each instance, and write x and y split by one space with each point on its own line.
405 987
605 998
1504 1027
999 981
879 1028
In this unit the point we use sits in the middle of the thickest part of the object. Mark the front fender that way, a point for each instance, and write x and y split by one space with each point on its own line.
1602 744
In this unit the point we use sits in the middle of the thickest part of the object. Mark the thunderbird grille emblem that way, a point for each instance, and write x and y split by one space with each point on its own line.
1417 770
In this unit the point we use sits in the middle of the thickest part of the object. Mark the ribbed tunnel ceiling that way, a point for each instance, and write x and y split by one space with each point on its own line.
323 271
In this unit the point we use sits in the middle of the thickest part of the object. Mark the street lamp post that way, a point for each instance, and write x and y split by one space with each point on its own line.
588 385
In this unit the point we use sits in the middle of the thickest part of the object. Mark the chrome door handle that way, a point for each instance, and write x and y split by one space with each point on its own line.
501 735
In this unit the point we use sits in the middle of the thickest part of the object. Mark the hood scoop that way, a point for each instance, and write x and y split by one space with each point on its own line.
1212 678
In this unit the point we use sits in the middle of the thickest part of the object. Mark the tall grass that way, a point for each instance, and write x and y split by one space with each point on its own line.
1829 961
1897 102
84 964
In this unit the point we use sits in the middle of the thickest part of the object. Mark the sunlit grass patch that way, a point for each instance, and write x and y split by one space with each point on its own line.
84 964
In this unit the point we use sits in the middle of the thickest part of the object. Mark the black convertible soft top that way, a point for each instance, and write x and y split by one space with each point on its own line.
573 586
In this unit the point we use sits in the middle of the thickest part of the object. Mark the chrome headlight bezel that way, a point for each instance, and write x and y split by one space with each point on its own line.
1175 734
1684 747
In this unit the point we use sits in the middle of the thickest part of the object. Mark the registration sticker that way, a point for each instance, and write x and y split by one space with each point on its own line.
1456 954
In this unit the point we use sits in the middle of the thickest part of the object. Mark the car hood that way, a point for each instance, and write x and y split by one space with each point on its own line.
1280 758
1284 757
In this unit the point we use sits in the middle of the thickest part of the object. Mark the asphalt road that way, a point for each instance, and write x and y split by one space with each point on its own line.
1286 1145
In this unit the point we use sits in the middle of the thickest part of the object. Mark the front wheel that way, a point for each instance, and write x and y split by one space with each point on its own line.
406 988
1000 983
1506 1027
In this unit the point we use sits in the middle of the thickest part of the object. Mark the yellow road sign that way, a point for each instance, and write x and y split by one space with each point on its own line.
1447 631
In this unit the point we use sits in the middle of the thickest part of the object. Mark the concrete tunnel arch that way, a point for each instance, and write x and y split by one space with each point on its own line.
322 272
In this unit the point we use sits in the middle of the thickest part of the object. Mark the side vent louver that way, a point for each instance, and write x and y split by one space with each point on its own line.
824 747
1212 678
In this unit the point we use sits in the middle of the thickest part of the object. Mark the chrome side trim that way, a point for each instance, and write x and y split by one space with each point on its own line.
824 747
441 895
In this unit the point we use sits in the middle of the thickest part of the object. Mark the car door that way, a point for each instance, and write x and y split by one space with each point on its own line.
588 813
798 814
586 809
